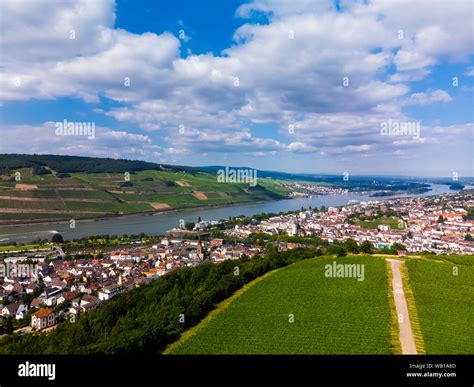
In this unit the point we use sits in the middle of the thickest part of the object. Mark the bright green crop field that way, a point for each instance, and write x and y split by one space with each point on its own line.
445 303
330 315
393 221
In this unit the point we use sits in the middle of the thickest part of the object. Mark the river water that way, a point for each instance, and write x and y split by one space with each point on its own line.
158 224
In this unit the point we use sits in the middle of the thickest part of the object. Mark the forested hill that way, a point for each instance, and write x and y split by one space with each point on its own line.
65 164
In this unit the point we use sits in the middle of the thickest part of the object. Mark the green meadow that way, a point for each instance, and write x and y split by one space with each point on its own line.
393 221
298 310
444 295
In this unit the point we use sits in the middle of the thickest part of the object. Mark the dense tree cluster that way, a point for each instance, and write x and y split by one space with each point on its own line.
57 238
65 164
39 171
189 225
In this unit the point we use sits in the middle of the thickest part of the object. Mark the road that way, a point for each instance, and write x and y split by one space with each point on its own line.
407 340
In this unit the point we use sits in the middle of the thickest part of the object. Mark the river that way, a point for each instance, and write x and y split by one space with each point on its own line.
156 224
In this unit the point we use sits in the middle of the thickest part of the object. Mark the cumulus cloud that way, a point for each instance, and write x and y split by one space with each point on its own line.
104 142
278 8
428 98
332 74
46 31
204 141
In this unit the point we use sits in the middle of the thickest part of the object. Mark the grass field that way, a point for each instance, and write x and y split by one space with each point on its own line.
331 315
393 221
445 303
20 248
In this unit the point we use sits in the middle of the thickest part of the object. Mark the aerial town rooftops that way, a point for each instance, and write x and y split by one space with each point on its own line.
43 312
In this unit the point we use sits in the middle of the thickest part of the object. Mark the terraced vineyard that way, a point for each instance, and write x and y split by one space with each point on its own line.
331 315
445 303
79 195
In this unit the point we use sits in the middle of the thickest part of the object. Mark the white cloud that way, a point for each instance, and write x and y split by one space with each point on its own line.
290 71
45 31
278 8
105 143
299 147
428 98
204 141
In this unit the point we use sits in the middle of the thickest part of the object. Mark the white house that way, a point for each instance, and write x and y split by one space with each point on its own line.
10 310
108 292
21 311
43 318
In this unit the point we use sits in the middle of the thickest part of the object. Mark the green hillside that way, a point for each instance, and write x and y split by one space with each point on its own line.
340 316
444 296
330 315
278 304
394 222
65 187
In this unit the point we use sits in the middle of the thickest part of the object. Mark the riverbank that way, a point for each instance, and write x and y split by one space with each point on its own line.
370 196
24 222
157 223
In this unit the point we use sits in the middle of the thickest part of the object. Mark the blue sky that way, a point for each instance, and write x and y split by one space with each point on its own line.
301 86
212 23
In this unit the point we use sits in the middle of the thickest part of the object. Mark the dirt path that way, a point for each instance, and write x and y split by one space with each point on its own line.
407 340
199 195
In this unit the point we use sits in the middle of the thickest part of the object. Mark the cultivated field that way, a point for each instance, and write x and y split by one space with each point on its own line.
297 310
88 195
445 302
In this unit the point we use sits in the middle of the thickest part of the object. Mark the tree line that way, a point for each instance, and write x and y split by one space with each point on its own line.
65 164
145 320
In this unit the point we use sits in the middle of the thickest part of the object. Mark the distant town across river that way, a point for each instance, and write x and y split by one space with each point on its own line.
158 224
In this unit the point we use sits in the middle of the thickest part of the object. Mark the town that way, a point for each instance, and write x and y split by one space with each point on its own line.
40 287
59 287
435 224
306 189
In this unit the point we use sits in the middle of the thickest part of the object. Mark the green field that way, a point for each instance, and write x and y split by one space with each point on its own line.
20 248
331 315
445 303
393 221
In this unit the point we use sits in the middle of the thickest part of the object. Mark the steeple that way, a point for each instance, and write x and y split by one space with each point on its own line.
200 249
199 246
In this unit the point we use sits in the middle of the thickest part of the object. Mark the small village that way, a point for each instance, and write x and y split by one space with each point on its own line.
58 289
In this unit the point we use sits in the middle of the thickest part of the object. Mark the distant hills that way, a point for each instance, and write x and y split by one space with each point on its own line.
52 188
39 188
67 164
352 183
271 174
